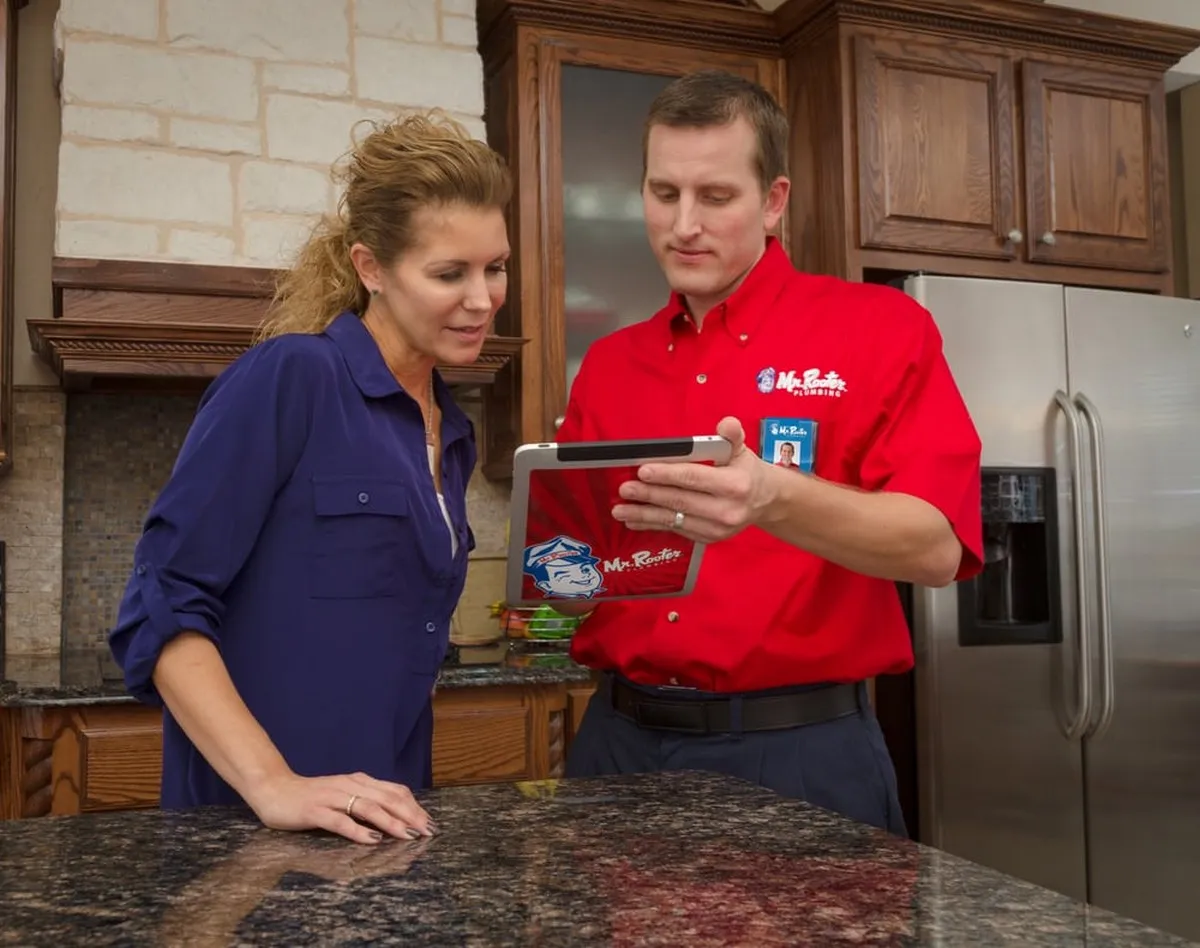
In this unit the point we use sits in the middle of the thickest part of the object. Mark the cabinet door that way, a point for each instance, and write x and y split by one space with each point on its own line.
1095 167
599 271
936 152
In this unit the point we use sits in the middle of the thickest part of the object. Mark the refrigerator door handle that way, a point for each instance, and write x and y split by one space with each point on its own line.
1079 721
1104 602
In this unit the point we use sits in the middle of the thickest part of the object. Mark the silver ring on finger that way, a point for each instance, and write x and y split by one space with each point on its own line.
350 805
677 523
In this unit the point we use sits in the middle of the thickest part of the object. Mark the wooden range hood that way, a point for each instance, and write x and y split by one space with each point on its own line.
172 327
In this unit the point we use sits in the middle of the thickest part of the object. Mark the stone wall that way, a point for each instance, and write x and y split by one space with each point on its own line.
203 130
199 131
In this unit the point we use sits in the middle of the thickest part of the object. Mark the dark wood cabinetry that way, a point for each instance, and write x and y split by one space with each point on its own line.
555 69
1012 140
1009 139
94 758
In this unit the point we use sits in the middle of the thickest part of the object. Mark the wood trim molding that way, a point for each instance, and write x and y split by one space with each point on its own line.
1028 24
8 170
730 26
131 326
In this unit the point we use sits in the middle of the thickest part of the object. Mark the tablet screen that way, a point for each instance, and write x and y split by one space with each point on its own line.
575 549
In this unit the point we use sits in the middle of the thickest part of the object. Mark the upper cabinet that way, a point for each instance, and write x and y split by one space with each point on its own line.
1010 139
955 157
995 138
568 84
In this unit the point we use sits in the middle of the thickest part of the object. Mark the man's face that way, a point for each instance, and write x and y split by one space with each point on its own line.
706 215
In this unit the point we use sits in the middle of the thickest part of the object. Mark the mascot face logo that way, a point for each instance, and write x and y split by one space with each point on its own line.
765 380
564 568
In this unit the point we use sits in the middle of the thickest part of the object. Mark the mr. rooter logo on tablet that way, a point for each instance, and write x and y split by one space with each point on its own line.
576 549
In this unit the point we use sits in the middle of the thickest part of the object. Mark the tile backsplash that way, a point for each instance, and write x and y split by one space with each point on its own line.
31 524
119 451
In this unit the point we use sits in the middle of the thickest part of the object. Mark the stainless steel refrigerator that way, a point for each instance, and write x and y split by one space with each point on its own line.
1058 695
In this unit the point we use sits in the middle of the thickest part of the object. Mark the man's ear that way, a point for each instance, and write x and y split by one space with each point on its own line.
776 202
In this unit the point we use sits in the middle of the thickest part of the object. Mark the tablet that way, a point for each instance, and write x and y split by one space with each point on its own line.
564 543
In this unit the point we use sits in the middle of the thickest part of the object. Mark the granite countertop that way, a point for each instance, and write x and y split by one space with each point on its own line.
90 676
668 859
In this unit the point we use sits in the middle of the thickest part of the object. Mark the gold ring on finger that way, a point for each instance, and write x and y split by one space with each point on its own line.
350 805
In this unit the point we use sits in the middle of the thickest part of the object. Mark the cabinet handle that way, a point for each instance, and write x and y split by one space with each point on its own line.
1015 236
1049 239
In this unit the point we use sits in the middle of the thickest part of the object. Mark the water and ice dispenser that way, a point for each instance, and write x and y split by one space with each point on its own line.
1016 599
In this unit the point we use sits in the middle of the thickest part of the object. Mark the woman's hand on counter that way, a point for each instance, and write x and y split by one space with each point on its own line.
356 806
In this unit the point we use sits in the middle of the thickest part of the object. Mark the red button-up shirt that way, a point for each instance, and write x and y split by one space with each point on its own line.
865 363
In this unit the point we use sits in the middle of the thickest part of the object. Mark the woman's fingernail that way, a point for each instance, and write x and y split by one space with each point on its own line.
377 836
432 827
412 833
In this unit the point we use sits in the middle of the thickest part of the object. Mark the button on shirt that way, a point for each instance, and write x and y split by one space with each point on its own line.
301 532
865 363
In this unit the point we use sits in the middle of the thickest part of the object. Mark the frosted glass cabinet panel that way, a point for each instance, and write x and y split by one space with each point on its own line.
611 278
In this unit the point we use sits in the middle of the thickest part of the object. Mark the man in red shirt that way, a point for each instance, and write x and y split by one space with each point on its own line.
761 671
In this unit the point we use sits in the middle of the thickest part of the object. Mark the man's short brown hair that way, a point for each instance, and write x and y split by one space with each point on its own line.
711 97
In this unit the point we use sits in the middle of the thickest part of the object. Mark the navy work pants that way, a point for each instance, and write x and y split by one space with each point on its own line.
841 765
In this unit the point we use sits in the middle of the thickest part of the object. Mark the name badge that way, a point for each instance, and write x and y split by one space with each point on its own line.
789 442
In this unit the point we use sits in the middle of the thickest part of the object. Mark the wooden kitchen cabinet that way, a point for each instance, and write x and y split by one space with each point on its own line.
95 758
1096 192
1012 140
1009 139
567 86
939 168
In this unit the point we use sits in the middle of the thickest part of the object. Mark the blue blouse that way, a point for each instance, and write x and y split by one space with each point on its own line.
301 532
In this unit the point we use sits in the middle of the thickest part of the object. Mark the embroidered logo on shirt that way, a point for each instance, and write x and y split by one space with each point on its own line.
808 382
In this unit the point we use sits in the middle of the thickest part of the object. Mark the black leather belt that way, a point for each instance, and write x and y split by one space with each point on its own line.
717 715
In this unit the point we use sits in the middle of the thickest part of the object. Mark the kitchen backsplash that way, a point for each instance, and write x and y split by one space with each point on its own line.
119 451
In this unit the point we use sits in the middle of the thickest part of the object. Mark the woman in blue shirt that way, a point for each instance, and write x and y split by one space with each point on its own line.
291 593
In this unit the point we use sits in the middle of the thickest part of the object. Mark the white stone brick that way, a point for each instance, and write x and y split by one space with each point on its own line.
274 241
283 189
459 7
200 246
216 137
473 125
315 80
415 20
143 184
432 76
117 125
460 31
314 31
192 83
313 130
134 18
106 239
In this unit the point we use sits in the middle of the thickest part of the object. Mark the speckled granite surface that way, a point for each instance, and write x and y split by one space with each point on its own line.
678 859
90 676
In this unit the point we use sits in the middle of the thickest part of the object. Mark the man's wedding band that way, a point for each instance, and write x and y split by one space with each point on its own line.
678 520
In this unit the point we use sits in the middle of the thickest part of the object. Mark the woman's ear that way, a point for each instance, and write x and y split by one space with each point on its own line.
367 267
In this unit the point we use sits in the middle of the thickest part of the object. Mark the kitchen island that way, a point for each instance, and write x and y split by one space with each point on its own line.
72 739
670 859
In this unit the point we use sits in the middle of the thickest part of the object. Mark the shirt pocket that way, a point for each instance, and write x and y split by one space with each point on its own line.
364 545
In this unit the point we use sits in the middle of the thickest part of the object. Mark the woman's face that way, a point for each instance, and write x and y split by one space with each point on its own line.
443 293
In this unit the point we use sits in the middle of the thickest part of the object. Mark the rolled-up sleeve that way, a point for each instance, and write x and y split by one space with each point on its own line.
247 437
